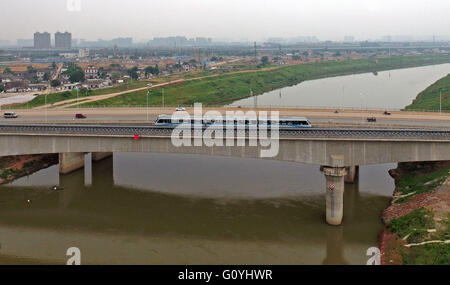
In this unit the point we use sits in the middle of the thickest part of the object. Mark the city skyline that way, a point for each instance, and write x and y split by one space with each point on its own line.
229 20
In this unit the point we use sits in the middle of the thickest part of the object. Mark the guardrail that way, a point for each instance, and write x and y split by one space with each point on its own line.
120 130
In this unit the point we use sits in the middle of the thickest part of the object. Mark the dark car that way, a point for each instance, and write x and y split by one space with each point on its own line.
386 113
372 119
80 116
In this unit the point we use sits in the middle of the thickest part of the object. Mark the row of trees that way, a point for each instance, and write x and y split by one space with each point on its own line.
133 72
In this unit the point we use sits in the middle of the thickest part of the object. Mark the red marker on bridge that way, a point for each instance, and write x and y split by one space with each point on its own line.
332 186
136 137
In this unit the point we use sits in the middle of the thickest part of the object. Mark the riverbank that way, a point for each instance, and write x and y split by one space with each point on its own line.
417 222
431 98
222 89
14 167
227 88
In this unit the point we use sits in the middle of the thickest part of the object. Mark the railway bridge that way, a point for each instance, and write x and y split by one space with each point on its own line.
337 151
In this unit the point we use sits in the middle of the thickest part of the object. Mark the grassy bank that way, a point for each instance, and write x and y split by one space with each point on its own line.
430 97
417 221
414 183
227 88
418 228
66 95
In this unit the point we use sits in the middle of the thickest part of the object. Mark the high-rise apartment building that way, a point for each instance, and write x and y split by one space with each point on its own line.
42 40
63 40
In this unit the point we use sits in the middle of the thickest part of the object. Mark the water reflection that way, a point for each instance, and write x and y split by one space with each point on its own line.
114 224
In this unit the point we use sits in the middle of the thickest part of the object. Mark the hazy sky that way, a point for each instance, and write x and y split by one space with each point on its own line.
235 19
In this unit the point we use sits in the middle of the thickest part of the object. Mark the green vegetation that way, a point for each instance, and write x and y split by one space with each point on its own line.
414 226
152 70
227 88
413 183
414 229
8 172
66 95
55 83
429 98
76 74
31 69
132 72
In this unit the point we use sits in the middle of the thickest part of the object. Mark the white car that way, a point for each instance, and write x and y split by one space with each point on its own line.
179 109
149 85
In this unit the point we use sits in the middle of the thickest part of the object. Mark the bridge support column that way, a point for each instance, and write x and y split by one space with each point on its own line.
335 194
70 161
103 173
352 174
97 156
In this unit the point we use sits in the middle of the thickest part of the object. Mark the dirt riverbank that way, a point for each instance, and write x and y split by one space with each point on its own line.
13 167
416 223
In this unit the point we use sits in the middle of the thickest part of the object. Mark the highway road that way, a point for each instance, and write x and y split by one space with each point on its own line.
322 117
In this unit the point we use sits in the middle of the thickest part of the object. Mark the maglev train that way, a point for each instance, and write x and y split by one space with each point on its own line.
282 122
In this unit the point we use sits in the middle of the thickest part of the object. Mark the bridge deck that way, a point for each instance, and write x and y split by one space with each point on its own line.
149 130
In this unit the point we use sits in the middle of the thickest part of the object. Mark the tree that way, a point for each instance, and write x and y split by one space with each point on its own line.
76 74
265 60
133 72
7 70
55 83
296 57
30 69
101 73
46 76
54 66
152 70
2 88
35 79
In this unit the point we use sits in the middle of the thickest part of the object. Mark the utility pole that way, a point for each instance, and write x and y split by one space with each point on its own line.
148 91
256 56
46 120
163 97
440 100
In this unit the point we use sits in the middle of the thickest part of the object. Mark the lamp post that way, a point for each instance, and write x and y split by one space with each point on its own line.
148 91
440 98
78 103
163 97
46 120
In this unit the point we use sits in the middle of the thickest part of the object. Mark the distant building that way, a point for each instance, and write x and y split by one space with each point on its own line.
122 42
63 40
42 40
83 52
349 39
25 42
91 72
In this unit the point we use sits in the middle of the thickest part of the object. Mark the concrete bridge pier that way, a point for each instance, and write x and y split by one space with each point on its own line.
335 193
70 161
103 173
352 174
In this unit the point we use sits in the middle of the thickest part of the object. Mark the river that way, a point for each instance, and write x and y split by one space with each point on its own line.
184 209
393 89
